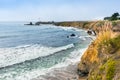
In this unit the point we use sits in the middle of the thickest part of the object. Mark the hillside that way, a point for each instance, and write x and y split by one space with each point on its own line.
95 25
101 61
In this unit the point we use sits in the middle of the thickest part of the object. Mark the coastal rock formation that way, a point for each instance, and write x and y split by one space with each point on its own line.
101 61
91 32
30 23
96 26
39 22
72 35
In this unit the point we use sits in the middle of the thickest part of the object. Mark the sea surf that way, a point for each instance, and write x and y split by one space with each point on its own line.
26 52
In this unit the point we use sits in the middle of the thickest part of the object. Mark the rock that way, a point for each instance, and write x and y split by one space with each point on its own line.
72 35
91 32
82 73
30 23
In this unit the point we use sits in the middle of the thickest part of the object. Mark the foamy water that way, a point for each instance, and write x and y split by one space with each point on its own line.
10 56
27 52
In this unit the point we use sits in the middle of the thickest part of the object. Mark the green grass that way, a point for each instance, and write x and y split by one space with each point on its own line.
115 42
106 70
112 45
110 69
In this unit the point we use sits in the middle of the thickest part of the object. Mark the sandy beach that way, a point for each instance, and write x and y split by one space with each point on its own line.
64 73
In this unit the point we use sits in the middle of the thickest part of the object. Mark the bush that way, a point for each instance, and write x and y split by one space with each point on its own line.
110 69
114 16
112 45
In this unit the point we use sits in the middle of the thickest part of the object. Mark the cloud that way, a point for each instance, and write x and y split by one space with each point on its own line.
59 13
33 10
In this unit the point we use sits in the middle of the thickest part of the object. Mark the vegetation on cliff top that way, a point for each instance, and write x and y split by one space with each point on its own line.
115 16
94 25
101 61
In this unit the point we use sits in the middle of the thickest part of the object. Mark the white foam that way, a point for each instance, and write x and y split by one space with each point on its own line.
71 28
75 56
10 56
35 74
71 59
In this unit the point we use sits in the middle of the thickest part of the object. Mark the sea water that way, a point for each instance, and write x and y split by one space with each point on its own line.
28 51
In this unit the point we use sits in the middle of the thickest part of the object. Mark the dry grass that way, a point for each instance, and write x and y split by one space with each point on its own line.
103 36
99 52
105 33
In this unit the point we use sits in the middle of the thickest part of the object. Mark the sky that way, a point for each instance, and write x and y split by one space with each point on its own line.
57 10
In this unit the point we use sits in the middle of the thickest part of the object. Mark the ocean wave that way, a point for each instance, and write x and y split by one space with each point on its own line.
37 74
71 28
2 37
14 55
72 59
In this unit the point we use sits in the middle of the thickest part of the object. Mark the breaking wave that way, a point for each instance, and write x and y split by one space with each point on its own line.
10 56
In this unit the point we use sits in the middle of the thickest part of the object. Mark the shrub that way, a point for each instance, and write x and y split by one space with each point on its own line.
105 33
110 69
112 45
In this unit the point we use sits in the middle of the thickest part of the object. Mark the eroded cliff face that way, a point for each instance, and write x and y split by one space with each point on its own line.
94 25
101 61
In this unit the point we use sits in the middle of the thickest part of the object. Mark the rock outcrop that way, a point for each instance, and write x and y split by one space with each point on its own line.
101 61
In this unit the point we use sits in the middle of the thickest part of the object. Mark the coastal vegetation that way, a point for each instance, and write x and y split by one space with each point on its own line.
115 16
102 59
94 25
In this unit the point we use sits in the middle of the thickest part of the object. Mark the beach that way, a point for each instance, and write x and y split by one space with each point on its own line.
64 73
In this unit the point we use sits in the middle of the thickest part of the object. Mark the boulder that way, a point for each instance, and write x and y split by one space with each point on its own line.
72 35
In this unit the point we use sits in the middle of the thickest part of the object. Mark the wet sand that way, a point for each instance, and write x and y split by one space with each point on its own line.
64 73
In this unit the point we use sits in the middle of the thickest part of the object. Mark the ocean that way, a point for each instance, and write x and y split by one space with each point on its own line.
28 51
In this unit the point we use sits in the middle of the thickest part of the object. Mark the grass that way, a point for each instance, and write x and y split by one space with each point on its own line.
110 69
105 39
112 45
115 42
104 35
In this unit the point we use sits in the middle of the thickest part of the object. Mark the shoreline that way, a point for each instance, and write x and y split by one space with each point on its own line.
69 72
85 69
64 73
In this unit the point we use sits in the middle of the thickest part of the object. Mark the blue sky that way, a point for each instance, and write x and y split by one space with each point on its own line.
56 10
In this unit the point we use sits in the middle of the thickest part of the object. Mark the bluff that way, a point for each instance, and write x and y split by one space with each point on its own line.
94 25
101 61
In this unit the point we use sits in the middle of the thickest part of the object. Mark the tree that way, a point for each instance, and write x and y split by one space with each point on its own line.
115 16
107 18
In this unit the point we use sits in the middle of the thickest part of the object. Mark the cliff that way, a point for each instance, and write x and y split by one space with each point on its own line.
101 61
94 25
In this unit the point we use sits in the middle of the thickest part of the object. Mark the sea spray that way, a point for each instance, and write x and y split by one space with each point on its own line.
10 56
36 50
